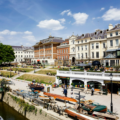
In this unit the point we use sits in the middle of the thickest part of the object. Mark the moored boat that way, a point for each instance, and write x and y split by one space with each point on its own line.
36 86
72 112
60 97
1 118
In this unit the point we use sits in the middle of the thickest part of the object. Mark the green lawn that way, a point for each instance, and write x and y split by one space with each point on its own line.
46 71
7 73
38 78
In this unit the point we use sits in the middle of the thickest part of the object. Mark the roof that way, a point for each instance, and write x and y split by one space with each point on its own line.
110 56
117 27
112 50
51 39
98 34
21 48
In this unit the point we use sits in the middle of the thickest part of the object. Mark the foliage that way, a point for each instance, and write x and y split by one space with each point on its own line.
26 106
117 67
6 53
72 84
40 111
91 68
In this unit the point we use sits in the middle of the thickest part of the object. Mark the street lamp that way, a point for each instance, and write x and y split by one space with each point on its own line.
111 105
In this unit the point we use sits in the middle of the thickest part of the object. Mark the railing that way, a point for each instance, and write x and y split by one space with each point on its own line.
87 73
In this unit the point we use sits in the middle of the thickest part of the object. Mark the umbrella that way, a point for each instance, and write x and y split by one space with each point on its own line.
94 63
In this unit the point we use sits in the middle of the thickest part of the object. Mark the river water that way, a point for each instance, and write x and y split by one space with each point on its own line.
8 113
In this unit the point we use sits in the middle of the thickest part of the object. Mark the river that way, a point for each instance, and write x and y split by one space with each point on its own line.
8 113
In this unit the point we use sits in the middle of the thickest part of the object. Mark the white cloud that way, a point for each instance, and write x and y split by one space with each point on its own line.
30 38
80 18
65 11
111 6
8 32
98 17
112 14
1 38
93 18
50 24
13 33
62 20
28 32
5 32
102 9
69 14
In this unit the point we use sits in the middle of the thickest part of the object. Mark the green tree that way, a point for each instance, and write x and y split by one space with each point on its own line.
6 53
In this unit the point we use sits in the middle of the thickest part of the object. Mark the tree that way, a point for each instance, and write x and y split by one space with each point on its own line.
6 53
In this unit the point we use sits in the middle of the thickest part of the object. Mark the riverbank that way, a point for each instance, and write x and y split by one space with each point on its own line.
43 115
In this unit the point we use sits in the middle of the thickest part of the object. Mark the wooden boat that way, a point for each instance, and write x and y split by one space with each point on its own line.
36 86
60 97
72 112
48 99
93 107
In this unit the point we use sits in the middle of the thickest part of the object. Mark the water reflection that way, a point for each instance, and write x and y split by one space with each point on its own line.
9 113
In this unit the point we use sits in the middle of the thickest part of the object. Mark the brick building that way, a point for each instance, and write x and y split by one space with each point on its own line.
63 53
45 51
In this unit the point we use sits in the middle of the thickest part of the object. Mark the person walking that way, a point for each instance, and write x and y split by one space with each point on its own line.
65 92
92 91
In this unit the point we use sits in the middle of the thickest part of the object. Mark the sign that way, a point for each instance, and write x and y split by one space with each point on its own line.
109 81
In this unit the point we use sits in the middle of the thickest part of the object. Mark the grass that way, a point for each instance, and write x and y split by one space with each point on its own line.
38 78
23 69
46 71
7 73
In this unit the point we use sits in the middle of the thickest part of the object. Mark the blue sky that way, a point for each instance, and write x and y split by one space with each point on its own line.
25 22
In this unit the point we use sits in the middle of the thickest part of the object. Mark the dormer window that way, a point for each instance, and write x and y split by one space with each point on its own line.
85 40
81 41
100 31
95 33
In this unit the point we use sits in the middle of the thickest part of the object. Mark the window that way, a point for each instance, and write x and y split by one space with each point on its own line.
78 48
16 55
110 34
92 54
86 55
21 59
117 42
81 47
103 45
111 43
21 55
16 52
73 49
85 40
78 42
78 56
64 50
64 57
103 54
73 41
81 41
97 45
118 53
117 33
85 47
97 54
81 55
92 45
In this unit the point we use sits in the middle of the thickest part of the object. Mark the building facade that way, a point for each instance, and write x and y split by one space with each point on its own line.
23 54
45 51
101 45
63 51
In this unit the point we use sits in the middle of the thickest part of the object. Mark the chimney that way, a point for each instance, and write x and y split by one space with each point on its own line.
110 26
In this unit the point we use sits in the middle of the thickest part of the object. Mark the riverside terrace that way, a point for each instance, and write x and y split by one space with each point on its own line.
99 80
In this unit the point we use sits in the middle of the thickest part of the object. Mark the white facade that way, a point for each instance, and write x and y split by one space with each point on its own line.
100 45
22 52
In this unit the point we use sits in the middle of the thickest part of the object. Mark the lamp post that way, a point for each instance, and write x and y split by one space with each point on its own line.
111 105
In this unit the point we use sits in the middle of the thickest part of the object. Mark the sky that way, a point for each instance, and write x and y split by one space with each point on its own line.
25 22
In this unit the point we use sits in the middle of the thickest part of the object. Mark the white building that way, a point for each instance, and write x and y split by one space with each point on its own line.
23 54
101 45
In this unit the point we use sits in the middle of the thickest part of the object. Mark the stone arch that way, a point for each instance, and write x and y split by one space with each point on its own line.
95 84
78 83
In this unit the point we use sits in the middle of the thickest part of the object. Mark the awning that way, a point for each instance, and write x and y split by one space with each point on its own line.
112 50
83 65
38 60
108 81
110 56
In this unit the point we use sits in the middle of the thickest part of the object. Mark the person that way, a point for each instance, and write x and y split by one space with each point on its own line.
71 93
65 92
92 91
